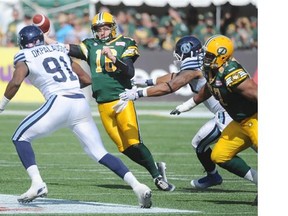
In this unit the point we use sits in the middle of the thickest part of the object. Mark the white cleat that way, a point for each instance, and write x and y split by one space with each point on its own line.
144 195
161 182
39 190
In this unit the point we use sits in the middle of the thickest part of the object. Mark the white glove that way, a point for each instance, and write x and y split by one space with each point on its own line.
142 82
129 94
184 107
3 103
120 106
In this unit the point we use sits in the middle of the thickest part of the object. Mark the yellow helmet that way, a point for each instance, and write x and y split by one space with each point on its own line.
101 19
218 49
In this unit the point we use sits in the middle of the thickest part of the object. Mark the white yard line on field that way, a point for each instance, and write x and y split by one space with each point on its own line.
9 205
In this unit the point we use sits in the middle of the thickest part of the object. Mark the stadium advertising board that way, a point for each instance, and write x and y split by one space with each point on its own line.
150 64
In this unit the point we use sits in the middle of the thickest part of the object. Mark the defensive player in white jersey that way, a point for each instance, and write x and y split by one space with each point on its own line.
49 68
188 50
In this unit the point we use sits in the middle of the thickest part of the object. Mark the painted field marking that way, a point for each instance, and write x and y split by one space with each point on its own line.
9 205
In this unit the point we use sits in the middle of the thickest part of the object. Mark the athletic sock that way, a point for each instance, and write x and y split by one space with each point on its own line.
131 180
114 164
140 154
236 165
25 153
34 174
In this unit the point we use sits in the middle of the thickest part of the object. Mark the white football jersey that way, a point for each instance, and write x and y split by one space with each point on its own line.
50 69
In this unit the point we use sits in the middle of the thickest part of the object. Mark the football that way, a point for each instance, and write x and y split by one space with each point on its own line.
42 22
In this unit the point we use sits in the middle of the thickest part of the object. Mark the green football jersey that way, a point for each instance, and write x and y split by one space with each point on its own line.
222 87
107 80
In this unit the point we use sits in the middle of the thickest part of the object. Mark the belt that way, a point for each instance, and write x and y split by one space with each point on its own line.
74 96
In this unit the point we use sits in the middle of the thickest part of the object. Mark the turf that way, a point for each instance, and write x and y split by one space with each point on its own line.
71 174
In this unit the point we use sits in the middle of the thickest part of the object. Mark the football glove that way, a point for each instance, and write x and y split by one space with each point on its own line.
142 82
120 106
3 103
129 94
184 107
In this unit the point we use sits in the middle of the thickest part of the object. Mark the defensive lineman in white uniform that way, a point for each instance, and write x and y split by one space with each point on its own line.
49 69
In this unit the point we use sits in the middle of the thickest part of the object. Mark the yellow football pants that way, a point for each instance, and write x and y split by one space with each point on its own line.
122 127
235 138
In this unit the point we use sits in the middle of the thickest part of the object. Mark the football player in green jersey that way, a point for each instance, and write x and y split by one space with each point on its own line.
232 86
111 59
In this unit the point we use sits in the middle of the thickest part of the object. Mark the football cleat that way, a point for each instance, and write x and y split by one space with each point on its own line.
144 195
207 181
161 166
163 185
35 191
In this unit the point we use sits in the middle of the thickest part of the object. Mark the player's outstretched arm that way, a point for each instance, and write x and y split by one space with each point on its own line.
14 84
174 84
162 88
151 82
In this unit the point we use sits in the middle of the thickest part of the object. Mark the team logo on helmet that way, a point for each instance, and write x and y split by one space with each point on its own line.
221 50
186 48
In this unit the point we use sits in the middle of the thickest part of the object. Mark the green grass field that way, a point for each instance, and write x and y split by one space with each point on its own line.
71 174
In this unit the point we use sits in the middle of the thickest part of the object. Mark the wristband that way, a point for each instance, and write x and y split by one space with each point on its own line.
3 103
142 92
149 82
190 103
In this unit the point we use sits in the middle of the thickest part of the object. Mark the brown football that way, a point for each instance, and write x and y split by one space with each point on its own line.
42 22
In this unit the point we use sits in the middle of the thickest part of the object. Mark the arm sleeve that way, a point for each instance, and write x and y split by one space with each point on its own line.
126 66
75 51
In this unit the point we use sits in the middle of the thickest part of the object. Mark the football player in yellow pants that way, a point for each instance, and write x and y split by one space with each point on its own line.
111 59
231 84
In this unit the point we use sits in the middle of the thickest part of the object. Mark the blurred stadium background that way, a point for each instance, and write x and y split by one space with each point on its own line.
155 25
